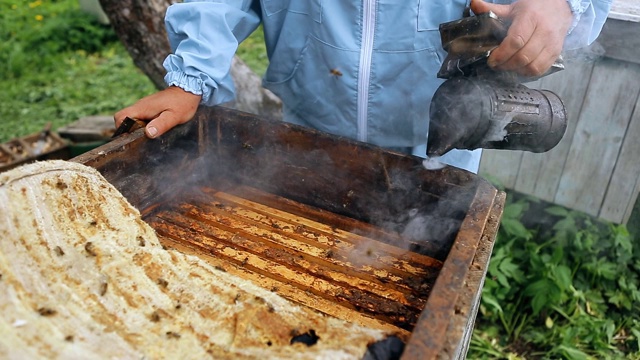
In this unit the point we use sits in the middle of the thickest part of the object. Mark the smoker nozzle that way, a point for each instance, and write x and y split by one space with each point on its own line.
471 113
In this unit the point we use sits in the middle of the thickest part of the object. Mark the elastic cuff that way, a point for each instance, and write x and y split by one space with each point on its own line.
188 83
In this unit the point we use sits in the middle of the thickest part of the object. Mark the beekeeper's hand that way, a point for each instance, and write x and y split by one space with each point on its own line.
166 109
536 35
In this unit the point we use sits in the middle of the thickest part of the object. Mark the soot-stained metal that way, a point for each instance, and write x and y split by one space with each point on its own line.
478 107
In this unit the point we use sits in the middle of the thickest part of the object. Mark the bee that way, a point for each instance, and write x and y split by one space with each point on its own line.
173 335
162 282
155 317
90 249
44 311
59 251
103 288
335 72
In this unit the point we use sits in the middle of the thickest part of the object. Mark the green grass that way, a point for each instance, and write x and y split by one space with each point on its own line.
80 85
563 288
254 53
59 65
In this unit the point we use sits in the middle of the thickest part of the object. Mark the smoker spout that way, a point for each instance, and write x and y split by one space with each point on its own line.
470 113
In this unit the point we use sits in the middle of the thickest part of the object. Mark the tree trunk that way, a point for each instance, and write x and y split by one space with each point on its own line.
140 26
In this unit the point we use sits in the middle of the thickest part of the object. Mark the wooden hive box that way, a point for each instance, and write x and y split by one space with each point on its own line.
349 229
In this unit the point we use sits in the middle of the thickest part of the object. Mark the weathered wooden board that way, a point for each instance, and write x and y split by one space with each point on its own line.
625 180
628 10
540 174
633 201
597 141
620 40
501 165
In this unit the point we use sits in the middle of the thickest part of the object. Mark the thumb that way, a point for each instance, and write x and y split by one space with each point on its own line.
481 6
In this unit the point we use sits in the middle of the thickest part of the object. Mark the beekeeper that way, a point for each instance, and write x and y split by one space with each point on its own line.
365 69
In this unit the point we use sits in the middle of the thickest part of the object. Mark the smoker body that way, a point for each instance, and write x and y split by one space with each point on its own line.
472 113
349 229
478 107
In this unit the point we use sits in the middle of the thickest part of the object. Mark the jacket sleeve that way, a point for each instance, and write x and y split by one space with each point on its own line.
204 37
588 18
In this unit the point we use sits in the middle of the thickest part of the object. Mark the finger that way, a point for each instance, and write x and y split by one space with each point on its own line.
119 117
163 123
129 112
517 38
524 56
147 108
481 7
541 64
538 54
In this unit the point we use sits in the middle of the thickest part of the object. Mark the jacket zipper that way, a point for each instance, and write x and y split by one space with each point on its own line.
364 72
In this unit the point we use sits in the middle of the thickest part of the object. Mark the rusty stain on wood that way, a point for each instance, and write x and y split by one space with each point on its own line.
238 231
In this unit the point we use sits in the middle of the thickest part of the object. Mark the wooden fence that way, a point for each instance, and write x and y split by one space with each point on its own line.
596 167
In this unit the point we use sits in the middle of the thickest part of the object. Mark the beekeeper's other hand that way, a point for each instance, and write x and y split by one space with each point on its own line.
165 109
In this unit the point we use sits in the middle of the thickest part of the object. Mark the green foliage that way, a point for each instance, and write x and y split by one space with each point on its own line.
254 52
565 286
59 64
33 34
72 30
81 85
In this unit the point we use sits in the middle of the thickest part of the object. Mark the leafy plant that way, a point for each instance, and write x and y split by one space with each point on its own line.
564 286
71 30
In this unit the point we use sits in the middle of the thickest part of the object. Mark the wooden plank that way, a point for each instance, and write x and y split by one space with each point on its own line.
501 166
430 334
632 203
622 190
464 319
529 171
603 122
628 10
540 174
620 40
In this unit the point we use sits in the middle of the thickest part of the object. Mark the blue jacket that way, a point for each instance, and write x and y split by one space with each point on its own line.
364 69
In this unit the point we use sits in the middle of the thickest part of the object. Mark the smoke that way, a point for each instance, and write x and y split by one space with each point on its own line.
433 163
588 54
405 210
415 220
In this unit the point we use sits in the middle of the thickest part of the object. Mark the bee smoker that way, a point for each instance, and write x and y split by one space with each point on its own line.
477 107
